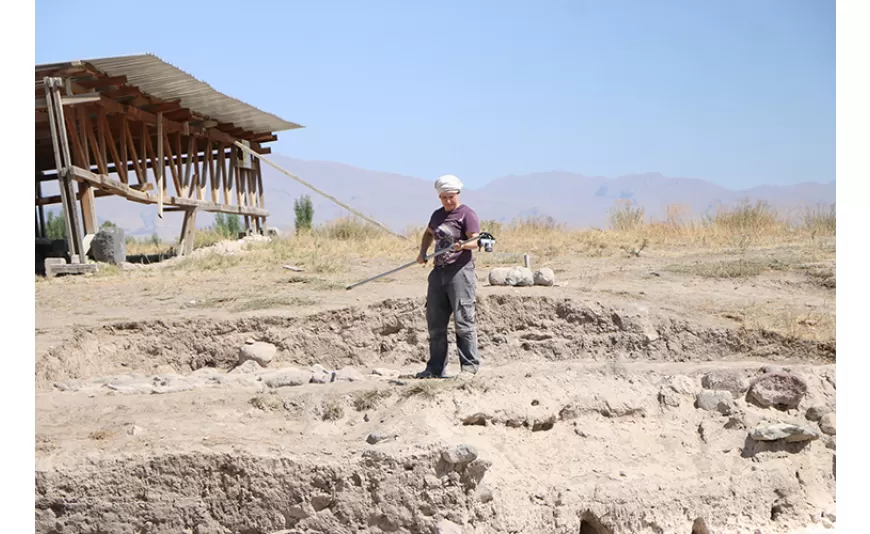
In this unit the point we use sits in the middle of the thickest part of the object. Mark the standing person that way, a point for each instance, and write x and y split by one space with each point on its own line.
452 282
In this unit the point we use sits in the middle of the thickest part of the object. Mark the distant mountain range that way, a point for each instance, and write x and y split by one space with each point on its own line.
403 201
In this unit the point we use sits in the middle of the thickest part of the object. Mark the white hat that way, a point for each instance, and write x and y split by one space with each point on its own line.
448 184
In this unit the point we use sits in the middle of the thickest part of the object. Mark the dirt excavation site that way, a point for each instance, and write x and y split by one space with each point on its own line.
661 392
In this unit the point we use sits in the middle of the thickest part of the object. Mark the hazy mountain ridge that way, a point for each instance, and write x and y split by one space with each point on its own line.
403 201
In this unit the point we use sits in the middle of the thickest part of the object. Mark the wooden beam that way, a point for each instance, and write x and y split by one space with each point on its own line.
188 228
264 138
140 172
98 193
118 188
161 165
165 107
102 82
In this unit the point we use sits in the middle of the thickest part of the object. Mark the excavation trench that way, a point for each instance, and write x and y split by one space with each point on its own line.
568 451
393 332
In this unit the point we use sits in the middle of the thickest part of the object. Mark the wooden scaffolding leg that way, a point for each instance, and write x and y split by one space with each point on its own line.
89 209
185 244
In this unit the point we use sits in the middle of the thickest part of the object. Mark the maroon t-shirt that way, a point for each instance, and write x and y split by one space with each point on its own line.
451 227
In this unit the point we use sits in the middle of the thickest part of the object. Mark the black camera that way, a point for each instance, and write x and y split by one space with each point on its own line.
486 241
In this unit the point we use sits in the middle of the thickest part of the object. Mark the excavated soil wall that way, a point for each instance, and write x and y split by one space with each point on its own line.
394 332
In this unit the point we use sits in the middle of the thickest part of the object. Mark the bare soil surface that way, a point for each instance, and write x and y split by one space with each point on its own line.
623 399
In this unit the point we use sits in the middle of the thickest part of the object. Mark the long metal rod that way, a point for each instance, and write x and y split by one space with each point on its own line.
309 186
410 263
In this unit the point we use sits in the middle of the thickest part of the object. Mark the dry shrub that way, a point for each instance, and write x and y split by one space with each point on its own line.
625 218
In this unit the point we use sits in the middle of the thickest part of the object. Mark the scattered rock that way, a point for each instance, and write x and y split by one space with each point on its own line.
249 366
349 374
484 493
735 382
460 454
815 413
287 377
258 351
134 430
520 276
683 385
498 276
321 375
511 276
544 277
828 423
445 526
390 373
376 437
109 246
781 390
669 397
716 401
784 431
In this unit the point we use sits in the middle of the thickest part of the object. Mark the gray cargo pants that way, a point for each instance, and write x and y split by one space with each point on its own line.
452 291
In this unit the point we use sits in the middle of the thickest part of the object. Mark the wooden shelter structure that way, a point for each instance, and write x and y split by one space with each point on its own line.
168 139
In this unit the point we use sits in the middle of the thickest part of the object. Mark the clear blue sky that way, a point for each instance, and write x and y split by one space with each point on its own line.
737 92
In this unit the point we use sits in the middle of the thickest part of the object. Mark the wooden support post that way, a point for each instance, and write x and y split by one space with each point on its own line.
188 226
62 159
160 167
89 209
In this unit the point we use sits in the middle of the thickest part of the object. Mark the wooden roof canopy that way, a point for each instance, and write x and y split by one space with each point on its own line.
140 86
129 115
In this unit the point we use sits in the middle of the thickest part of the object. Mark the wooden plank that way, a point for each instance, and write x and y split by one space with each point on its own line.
101 135
231 177
161 165
222 166
165 107
143 147
102 82
188 228
211 172
264 138
52 270
178 160
98 193
259 170
140 172
110 141
78 150
123 143
191 156
173 167
92 142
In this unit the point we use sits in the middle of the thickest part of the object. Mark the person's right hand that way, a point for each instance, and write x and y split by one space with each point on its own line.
421 260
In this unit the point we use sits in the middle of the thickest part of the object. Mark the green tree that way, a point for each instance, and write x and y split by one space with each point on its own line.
304 213
228 224
55 226
108 225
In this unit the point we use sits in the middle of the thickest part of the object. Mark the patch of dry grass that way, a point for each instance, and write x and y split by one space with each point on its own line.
335 246
331 410
268 402
799 323
370 399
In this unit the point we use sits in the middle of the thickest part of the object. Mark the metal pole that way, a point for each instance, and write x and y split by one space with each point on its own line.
434 254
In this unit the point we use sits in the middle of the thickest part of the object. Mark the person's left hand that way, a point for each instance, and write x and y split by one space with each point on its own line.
457 246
